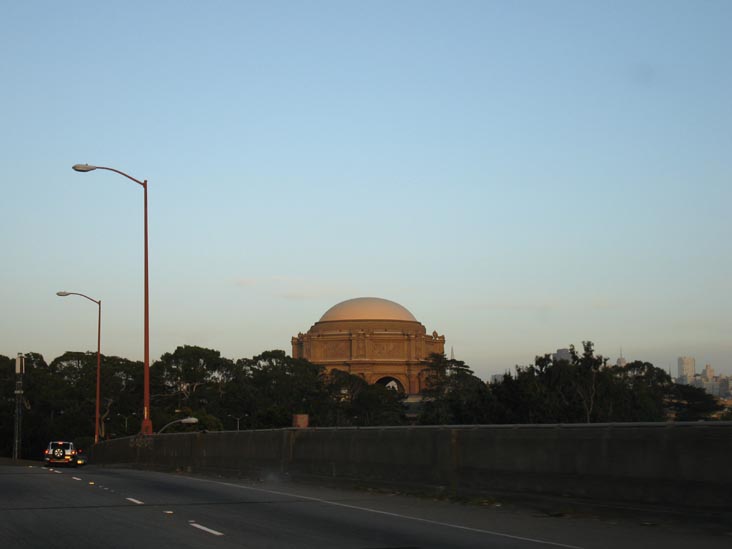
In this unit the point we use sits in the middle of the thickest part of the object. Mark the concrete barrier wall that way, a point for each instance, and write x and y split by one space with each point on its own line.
676 464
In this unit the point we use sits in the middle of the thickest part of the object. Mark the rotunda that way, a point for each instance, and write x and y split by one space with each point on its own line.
374 338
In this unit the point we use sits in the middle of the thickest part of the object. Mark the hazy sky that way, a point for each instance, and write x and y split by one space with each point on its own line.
521 175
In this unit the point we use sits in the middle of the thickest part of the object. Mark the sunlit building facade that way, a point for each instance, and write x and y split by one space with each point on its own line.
374 338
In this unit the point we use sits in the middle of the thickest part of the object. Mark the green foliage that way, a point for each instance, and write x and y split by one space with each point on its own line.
692 403
454 395
352 401
189 373
585 390
121 405
637 392
7 404
266 390
283 386
60 398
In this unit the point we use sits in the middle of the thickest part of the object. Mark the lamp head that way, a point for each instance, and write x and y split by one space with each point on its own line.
62 294
189 420
83 167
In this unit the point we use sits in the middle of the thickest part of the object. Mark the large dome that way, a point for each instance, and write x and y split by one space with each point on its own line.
367 308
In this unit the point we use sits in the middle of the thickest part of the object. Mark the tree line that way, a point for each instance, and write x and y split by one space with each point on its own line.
583 389
266 390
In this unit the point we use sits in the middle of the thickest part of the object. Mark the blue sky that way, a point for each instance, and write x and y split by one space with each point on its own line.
520 175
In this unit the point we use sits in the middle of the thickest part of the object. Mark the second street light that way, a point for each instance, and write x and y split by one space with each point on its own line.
147 426
184 421
99 357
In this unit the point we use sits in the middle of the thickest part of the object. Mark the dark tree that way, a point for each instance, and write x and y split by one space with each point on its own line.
453 394
692 403
7 404
283 386
191 377
581 390
352 401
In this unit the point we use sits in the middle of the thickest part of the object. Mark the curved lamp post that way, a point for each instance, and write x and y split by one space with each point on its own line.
184 421
99 356
147 427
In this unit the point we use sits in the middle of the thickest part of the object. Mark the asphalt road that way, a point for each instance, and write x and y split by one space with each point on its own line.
98 507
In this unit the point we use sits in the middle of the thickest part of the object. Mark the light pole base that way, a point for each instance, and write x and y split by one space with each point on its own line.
147 427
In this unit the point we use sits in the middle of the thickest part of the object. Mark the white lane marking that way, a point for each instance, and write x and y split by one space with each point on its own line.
387 513
58 472
133 500
214 532
76 478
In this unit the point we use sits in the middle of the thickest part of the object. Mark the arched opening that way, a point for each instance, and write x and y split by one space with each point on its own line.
391 383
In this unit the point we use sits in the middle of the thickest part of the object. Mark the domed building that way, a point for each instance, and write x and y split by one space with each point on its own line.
374 338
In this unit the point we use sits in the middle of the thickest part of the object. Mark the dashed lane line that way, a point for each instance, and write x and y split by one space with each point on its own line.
137 501
209 530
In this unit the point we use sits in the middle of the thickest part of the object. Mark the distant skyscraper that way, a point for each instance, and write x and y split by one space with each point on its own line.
687 368
498 378
708 373
562 354
621 362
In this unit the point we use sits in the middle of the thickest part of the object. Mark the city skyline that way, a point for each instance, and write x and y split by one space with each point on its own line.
519 176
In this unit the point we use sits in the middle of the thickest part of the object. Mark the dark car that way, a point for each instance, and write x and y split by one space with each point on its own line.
81 458
60 453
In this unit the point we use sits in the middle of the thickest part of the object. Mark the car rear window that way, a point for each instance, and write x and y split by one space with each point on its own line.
64 445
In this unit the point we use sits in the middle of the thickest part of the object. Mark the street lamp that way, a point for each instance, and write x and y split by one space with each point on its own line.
237 420
99 356
126 418
147 427
245 416
184 421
